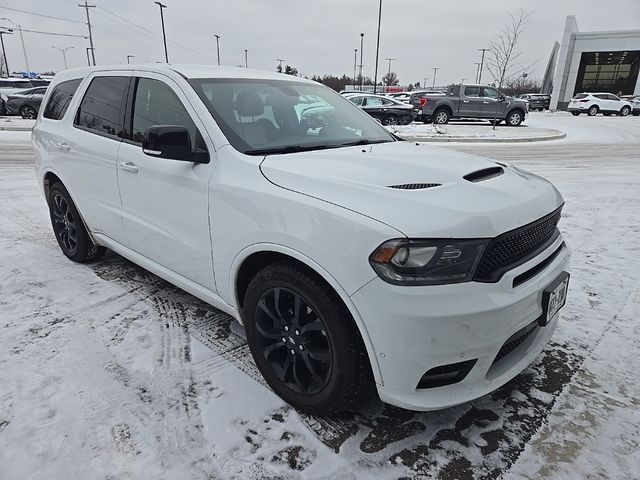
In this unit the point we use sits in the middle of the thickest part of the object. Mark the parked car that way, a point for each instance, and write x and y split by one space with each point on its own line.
387 110
474 101
417 98
594 103
537 101
11 85
634 100
25 103
354 260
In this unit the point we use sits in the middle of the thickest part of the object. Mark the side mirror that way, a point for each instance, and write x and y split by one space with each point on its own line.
172 142
501 98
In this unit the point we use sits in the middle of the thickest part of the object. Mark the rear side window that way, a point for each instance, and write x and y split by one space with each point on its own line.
101 109
580 96
60 98
471 91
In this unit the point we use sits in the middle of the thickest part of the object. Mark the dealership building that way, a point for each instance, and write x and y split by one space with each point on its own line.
592 62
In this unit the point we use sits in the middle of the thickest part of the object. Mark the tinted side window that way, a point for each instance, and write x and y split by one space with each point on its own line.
490 92
60 98
156 104
601 97
101 109
472 91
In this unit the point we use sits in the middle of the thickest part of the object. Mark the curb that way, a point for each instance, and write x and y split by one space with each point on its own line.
546 138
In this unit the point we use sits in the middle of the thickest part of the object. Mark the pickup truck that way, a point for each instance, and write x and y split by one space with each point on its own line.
474 101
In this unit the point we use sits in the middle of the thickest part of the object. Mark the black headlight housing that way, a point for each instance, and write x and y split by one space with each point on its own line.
427 261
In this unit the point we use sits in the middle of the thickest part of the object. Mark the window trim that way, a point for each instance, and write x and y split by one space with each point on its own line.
122 105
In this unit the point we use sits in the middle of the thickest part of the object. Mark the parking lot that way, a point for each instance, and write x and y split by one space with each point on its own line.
105 368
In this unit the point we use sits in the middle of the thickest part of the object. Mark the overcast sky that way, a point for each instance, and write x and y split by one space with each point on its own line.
314 36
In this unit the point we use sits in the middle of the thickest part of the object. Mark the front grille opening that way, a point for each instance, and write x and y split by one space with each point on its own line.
415 186
515 340
517 246
484 174
446 374
532 272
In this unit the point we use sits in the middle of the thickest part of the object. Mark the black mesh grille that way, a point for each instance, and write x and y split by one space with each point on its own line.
513 248
516 340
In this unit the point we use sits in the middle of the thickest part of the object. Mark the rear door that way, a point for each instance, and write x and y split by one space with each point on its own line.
91 151
166 202
470 102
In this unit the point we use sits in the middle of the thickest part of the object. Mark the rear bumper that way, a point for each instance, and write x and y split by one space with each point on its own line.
416 329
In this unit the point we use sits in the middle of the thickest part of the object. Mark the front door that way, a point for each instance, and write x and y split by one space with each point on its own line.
492 107
166 202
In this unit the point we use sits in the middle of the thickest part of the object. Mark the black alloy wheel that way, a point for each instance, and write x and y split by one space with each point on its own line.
28 112
293 340
64 224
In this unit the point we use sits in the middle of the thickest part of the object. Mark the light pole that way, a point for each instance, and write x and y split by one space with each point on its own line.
483 50
24 50
375 75
361 48
280 60
389 72
88 59
218 47
64 54
435 71
4 53
477 64
164 35
246 58
130 57
424 85
355 65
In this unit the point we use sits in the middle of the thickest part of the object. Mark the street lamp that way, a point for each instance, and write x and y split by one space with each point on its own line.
89 49
375 75
24 50
355 65
477 64
389 72
246 58
435 71
361 49
64 54
218 47
129 57
164 35
8 31
483 50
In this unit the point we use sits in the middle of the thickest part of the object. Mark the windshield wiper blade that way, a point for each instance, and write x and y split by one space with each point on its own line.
288 149
363 141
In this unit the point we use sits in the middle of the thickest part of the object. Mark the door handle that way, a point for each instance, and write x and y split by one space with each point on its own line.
63 146
486 103
465 101
129 167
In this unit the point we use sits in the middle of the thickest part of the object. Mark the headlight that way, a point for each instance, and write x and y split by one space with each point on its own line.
427 262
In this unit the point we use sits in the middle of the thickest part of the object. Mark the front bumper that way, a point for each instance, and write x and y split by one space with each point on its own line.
415 329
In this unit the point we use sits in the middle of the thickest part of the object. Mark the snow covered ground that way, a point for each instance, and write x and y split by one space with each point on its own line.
106 371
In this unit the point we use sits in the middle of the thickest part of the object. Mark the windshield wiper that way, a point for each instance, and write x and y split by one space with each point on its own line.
363 141
288 149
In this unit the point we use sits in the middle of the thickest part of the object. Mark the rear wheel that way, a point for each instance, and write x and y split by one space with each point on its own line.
624 111
304 341
593 110
70 232
515 118
575 114
28 112
390 120
441 116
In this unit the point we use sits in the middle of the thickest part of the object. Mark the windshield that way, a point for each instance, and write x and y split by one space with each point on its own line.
261 117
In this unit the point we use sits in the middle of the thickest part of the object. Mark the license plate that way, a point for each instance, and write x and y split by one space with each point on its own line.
553 298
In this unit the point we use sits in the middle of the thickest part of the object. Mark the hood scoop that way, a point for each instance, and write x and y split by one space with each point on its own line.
484 174
414 186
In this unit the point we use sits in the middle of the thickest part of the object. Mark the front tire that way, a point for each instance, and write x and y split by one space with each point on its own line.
593 111
304 341
624 111
515 118
70 232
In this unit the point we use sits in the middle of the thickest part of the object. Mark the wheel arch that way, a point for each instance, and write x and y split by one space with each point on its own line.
256 257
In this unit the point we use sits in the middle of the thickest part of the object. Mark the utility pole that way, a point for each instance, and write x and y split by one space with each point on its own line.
355 65
483 50
280 60
389 72
88 59
218 47
424 85
164 35
435 71
361 48
4 53
24 50
86 6
375 75
64 54
477 64
246 58
130 57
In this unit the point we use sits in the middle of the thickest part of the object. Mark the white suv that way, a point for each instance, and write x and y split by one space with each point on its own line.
594 103
353 259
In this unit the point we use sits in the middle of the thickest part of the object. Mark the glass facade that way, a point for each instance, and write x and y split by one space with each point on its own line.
614 72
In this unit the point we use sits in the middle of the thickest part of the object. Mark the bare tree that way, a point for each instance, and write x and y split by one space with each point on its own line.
390 78
504 57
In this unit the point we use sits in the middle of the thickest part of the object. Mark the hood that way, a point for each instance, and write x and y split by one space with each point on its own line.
361 179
